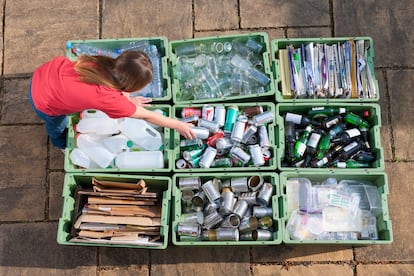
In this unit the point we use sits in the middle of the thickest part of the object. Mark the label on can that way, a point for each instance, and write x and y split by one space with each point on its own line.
190 111
208 112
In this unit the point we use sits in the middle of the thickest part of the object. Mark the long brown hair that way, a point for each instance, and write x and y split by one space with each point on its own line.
130 71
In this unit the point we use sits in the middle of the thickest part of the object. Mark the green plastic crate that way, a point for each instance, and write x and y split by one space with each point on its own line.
379 179
301 108
167 150
277 44
177 210
267 106
72 180
260 37
114 44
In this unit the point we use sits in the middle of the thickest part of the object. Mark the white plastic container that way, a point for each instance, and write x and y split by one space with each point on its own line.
117 143
141 133
98 125
140 160
79 158
94 150
93 113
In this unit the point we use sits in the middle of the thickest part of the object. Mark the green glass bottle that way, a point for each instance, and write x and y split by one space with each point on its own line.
324 111
350 163
300 145
355 120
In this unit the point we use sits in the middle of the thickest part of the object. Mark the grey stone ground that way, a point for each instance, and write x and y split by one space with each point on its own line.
31 171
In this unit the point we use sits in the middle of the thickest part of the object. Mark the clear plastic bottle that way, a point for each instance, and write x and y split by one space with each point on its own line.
94 150
142 45
140 160
156 85
85 49
141 133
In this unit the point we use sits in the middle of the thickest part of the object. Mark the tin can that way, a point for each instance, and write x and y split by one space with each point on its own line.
186 229
208 157
231 116
259 211
227 234
238 129
190 111
248 224
255 182
207 112
199 199
240 208
256 155
240 155
263 118
251 111
213 127
231 221
265 193
250 131
263 235
181 164
266 155
250 197
192 119
239 184
211 192
212 219
191 144
228 202
223 145
201 132
220 115
212 140
263 137
265 222
192 217
189 183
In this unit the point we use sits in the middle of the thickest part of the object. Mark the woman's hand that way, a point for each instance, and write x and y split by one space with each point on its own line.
186 130
138 100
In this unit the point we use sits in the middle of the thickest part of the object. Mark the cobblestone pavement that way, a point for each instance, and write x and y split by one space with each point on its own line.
31 171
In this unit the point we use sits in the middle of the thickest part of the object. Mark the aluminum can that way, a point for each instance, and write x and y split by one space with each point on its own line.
238 129
192 119
181 164
190 111
189 183
212 140
201 132
239 184
207 112
250 131
220 115
208 157
240 208
259 211
265 193
231 116
223 145
252 110
240 155
211 192
255 182
257 155
263 137
185 229
196 143
248 224
213 127
263 118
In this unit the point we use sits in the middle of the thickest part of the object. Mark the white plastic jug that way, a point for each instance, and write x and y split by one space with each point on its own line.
79 158
93 113
94 150
117 143
140 160
141 133
98 125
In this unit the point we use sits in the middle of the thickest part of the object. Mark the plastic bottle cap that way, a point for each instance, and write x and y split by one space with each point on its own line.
130 144
69 45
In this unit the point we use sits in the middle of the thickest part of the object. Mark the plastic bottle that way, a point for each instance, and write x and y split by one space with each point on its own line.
79 49
92 113
141 133
156 84
142 45
98 125
94 150
117 143
140 160
79 158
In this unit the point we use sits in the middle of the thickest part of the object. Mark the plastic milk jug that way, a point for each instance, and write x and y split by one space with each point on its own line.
141 133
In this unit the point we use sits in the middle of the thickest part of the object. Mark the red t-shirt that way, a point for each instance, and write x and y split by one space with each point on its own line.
58 90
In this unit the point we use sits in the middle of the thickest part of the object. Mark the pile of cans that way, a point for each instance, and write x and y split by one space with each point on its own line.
231 209
227 136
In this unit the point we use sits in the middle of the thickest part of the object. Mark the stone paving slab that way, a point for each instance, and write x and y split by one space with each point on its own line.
386 22
400 212
32 40
31 247
278 13
301 253
402 112
150 18
385 269
200 261
22 173
213 15
299 270
55 200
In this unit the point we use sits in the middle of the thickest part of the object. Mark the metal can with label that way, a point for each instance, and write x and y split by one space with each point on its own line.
207 112
231 116
240 155
213 127
191 144
257 155
192 119
238 129
212 140
251 111
263 137
201 132
263 118
250 131
223 145
190 111
220 115
208 157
